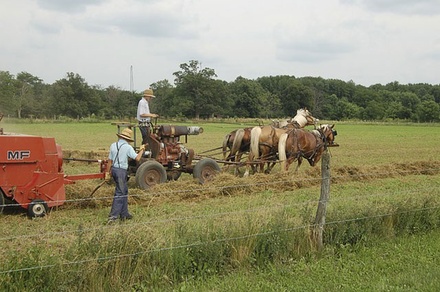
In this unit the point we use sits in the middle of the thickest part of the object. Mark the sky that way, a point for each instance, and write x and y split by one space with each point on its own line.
131 44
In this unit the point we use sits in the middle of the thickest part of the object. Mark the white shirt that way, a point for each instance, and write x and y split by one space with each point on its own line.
143 108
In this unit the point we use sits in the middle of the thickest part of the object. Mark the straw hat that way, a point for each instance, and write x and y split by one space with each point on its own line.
148 92
126 135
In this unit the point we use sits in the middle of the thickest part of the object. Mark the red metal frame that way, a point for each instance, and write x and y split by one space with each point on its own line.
31 168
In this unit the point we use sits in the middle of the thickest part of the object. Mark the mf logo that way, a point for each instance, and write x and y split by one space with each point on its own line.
18 155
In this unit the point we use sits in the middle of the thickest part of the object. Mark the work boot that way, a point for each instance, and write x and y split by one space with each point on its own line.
128 217
111 220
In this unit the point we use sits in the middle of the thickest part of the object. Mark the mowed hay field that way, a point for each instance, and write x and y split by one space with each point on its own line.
385 180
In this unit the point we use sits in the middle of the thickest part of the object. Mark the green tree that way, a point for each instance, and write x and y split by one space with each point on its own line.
428 111
72 97
409 102
374 111
7 93
166 104
275 86
296 96
29 95
116 103
329 108
196 90
250 98
347 110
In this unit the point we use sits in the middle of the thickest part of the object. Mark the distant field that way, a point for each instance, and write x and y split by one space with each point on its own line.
360 144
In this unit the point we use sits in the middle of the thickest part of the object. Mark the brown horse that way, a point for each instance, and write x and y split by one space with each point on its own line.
238 141
263 149
299 144
264 140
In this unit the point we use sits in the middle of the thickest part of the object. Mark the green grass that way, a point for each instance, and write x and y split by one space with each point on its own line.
360 144
382 222
407 263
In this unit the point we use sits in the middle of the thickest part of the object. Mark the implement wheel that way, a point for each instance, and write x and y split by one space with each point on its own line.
37 208
205 170
149 174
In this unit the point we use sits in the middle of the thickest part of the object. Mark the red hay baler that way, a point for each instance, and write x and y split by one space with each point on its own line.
31 173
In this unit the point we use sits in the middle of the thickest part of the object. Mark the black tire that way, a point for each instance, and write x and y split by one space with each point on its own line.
205 170
173 174
149 174
37 208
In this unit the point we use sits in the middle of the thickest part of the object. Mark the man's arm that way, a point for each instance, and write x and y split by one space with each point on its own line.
141 151
107 171
149 115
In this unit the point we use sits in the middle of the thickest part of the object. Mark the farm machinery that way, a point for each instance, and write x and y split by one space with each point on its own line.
32 176
166 157
31 173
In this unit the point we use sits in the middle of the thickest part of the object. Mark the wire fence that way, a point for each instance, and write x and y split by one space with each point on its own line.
378 194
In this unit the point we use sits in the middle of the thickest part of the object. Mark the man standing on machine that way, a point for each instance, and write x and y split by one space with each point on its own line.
144 115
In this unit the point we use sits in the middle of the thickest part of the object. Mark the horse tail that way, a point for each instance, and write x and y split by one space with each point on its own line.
255 141
282 151
236 144
225 145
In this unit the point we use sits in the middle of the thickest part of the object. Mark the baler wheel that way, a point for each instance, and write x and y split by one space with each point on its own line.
37 208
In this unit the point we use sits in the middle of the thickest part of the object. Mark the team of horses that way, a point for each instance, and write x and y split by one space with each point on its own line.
285 142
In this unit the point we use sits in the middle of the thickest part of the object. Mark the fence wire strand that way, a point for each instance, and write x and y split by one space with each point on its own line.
220 214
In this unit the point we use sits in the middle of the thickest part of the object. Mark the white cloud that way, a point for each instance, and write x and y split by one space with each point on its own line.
408 7
365 41
67 6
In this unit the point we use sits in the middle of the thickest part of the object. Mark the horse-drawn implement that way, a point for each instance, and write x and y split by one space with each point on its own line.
32 167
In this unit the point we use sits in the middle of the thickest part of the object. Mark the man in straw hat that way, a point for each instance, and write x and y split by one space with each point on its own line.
144 116
120 151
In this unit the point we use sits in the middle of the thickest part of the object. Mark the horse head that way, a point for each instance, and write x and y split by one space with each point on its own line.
304 118
327 133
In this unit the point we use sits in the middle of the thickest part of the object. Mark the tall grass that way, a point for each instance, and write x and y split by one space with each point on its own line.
165 254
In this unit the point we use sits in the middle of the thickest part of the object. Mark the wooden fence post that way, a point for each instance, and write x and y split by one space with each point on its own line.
322 204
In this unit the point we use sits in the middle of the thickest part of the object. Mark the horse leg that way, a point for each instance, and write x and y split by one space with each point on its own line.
299 164
270 166
225 146
262 167
237 160
254 149
248 165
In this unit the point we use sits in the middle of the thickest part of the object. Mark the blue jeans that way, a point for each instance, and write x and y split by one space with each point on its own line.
120 199
145 132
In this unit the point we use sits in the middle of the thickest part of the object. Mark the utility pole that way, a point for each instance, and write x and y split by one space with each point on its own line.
131 79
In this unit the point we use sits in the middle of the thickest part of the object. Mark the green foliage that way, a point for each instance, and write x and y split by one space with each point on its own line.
196 93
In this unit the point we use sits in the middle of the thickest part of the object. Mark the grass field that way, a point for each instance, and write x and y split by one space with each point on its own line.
385 182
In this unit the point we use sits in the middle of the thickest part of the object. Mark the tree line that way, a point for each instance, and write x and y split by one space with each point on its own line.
197 93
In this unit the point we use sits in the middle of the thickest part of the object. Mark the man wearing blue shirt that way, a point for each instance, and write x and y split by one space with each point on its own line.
120 152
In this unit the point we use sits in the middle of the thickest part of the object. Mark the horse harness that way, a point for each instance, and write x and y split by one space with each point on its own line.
321 141
272 148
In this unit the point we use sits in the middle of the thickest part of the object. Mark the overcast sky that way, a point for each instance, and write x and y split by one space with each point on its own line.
367 41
